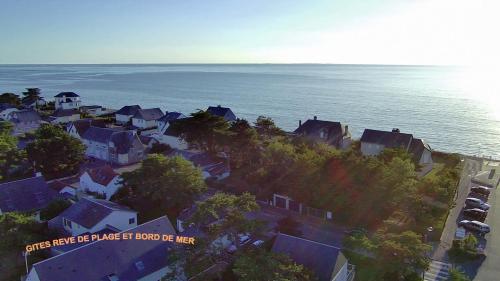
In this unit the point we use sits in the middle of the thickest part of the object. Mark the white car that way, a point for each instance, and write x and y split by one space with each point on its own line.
257 243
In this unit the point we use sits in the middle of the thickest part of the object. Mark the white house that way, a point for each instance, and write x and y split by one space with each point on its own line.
102 180
146 118
67 100
165 135
373 142
124 114
93 215
62 116
24 121
108 260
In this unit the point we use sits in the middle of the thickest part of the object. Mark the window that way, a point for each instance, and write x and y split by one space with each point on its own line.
67 223
131 221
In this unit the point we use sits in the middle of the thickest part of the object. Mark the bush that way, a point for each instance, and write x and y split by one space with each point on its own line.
54 209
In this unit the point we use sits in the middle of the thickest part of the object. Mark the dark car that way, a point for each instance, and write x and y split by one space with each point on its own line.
476 214
480 190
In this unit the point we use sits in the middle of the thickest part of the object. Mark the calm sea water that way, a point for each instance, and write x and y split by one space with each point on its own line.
453 109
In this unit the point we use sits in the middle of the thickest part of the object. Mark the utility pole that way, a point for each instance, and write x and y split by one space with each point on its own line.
25 255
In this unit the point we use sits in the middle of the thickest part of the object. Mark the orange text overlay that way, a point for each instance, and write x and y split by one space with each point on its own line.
110 237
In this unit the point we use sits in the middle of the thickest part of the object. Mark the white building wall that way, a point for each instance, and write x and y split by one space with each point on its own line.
117 219
342 274
87 184
141 123
426 157
122 118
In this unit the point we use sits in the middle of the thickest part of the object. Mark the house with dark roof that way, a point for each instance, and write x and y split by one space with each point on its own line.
124 114
329 132
63 116
146 118
114 146
92 215
373 142
26 195
215 167
67 100
101 180
112 260
24 121
325 261
224 112
164 133
79 127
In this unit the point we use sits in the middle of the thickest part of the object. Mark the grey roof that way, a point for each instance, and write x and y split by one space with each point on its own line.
89 212
128 260
128 110
314 126
65 112
26 195
225 112
417 147
66 94
324 260
97 134
169 116
27 115
388 139
122 140
148 114
83 125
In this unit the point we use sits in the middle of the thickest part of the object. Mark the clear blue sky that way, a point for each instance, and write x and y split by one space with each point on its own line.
246 31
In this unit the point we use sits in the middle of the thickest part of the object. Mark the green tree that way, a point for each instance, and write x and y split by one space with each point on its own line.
243 143
55 153
266 128
173 182
401 254
457 275
12 159
54 208
229 210
261 265
10 98
202 130
17 230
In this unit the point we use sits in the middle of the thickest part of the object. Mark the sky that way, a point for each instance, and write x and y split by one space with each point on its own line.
435 32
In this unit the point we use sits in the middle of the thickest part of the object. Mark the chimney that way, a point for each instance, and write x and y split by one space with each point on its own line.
315 117
395 130
300 123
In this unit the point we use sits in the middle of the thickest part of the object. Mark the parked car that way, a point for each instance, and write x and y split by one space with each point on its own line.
475 226
481 190
476 214
258 243
478 196
476 203
243 239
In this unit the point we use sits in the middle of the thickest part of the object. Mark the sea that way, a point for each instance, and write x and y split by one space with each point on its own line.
454 109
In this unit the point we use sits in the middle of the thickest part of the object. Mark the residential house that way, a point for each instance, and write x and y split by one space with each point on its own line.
26 195
67 100
373 142
165 135
101 180
92 215
332 133
224 112
6 109
24 121
325 261
65 187
113 146
79 127
211 167
112 260
62 116
124 115
146 118
93 110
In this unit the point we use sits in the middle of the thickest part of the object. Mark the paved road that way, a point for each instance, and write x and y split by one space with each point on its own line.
490 267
